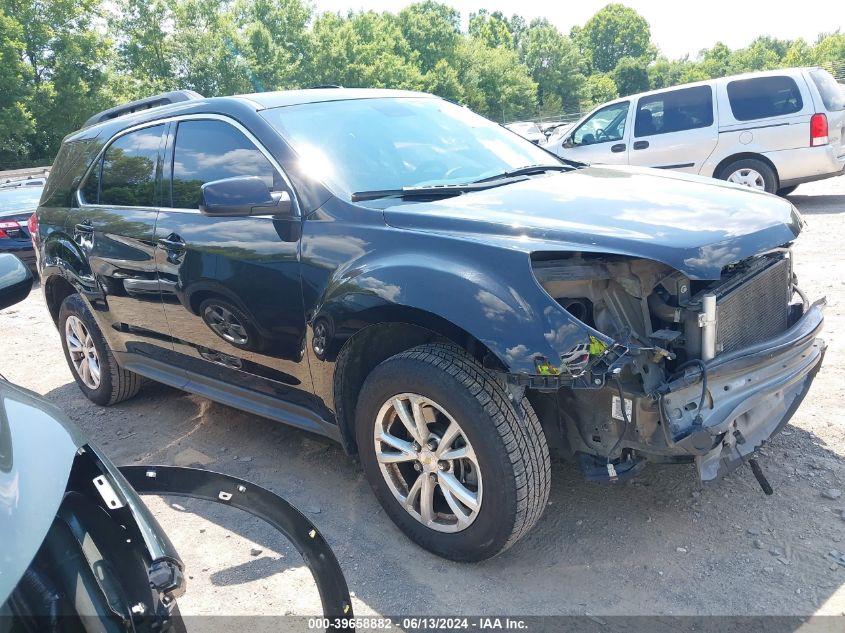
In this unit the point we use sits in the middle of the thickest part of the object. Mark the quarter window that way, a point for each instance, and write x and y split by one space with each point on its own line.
213 150
608 124
674 111
763 97
129 169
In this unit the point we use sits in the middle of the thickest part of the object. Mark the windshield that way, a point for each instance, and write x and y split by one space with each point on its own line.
20 199
379 144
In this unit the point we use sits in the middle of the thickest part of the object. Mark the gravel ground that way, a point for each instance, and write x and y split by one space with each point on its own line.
659 545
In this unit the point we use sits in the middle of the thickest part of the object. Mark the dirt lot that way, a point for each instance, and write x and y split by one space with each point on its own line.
659 545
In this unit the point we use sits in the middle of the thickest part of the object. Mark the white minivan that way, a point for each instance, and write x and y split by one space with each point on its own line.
768 130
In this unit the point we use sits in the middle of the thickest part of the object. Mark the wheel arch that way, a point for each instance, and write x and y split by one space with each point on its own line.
56 290
717 172
409 328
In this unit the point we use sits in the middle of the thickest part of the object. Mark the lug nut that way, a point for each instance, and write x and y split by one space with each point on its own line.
443 465
432 444
416 447
418 467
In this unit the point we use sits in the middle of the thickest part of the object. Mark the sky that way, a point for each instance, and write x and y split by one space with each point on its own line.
678 28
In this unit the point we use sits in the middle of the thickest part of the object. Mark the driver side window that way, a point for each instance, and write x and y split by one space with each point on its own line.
604 126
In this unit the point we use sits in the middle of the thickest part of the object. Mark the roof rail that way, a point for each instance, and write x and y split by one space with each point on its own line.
165 98
324 86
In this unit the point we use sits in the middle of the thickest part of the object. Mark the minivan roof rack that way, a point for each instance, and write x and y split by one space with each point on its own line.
165 98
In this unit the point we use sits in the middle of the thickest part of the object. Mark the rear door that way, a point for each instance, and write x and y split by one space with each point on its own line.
230 285
114 226
601 137
674 129
770 113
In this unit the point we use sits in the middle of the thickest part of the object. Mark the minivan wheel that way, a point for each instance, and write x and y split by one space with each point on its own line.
91 362
751 173
458 466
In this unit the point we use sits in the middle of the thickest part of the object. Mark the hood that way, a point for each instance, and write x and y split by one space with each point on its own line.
693 224
37 449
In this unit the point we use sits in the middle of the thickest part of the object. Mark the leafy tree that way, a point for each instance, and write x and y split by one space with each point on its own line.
144 46
799 53
716 61
553 62
16 123
829 52
599 88
492 29
432 30
443 80
362 50
630 76
495 83
616 31
664 73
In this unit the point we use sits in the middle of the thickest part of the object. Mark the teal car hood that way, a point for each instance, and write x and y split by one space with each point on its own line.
37 448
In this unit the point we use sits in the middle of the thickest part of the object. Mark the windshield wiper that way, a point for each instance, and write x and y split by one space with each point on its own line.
525 171
428 191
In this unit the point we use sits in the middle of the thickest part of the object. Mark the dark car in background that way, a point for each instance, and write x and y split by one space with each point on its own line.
444 298
18 202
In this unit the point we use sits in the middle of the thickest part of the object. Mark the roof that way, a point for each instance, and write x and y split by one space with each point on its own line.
266 100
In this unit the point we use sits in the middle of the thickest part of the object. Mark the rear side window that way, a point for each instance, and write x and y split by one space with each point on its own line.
763 97
213 150
832 94
128 176
674 111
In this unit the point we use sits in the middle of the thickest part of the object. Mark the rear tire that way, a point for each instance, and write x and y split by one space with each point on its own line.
751 173
508 479
109 383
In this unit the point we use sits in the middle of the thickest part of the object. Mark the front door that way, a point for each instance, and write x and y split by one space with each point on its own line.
230 286
113 225
675 129
600 138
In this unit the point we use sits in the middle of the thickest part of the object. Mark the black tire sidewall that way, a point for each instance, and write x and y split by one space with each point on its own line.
770 177
494 524
74 305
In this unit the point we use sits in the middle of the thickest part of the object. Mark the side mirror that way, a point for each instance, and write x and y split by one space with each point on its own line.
15 280
568 142
242 196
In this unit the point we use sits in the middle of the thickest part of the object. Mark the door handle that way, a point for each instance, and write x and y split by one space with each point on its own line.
172 243
84 227
640 144
619 147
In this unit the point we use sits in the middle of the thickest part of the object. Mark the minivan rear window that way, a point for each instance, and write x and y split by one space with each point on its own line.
763 97
832 94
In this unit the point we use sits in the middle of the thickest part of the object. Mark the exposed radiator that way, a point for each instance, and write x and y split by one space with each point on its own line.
754 311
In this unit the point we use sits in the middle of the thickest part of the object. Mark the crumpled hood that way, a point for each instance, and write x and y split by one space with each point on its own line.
696 225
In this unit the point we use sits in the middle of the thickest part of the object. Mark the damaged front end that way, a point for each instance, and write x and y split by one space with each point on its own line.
676 369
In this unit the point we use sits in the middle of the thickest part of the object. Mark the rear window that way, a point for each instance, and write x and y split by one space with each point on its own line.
674 111
832 94
764 97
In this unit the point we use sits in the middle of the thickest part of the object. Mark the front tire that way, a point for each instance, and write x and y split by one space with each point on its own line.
458 466
90 361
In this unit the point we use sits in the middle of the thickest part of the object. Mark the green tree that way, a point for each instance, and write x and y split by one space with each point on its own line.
16 123
829 52
631 76
553 62
362 50
599 88
492 29
716 61
432 30
145 54
443 80
664 73
799 53
614 32
495 83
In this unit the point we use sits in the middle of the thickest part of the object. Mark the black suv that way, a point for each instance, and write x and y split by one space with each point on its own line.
444 298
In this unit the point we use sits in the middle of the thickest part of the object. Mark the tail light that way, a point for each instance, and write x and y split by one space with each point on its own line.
32 225
9 227
818 130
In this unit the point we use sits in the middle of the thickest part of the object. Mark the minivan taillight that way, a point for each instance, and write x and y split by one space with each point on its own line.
32 225
818 130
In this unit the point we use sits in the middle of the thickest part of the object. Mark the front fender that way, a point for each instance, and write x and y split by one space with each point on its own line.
487 292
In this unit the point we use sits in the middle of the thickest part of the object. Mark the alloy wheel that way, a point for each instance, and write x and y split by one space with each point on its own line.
225 324
748 178
428 463
83 354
